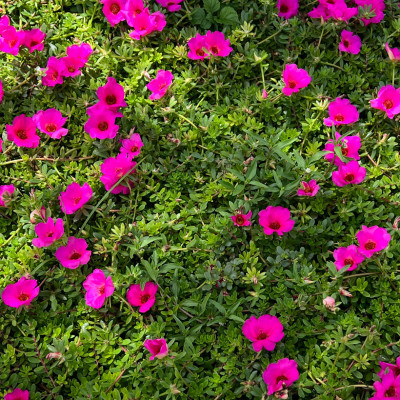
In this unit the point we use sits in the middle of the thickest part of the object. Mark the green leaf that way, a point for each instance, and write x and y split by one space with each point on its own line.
211 6
228 16
198 16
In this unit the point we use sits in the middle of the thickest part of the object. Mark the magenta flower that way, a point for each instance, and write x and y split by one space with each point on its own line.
132 145
372 240
75 197
143 24
294 79
21 293
6 192
159 21
1 97
341 112
97 287
111 95
10 40
17 394
113 169
288 8
377 6
216 44
347 257
280 375
241 219
264 332
350 43
74 254
157 347
71 66
48 232
394 54
101 124
80 52
275 219
336 9
386 367
350 173
264 94
160 84
388 100
349 146
132 9
54 72
171 5
33 40
197 46
388 389
51 123
142 298
309 189
23 132
114 10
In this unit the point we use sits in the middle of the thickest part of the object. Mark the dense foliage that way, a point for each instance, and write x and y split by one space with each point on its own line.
212 146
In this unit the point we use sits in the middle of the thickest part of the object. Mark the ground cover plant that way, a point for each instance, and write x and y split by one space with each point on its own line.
199 199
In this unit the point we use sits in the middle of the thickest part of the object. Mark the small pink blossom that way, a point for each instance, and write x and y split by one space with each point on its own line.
264 332
101 124
132 145
80 52
54 72
280 375
372 240
241 219
347 257
394 53
113 169
33 40
388 389
341 112
132 9
386 367
377 6
350 173
74 254
264 94
288 8
114 10
157 347
21 293
6 192
75 197
97 287
349 146
294 79
197 47
217 45
17 394
275 219
10 40
159 21
350 43
143 24
111 95
309 189
23 132
329 303
51 123
142 298
48 232
71 66
160 84
171 5
388 100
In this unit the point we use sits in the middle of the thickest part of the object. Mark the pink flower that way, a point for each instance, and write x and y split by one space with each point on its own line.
54 72
264 94
97 287
336 9
6 192
309 189
241 219
74 254
33 40
159 21
386 367
196 46
341 112
21 293
111 95
372 240
329 303
133 8
280 375
350 173
132 145
264 332
1 98
347 257
377 6
71 66
113 169
75 197
350 43
10 40
142 298
394 54
101 124
388 100
171 5
143 24
157 347
288 8
51 123
23 132
349 147
114 10
48 232
216 44
80 52
160 84
17 394
276 219
388 389
295 79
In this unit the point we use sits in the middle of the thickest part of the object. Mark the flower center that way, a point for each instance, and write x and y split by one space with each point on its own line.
349 178
50 234
145 298
281 378
348 261
292 84
262 336
13 43
34 43
134 148
275 225
111 99
214 49
200 52
54 75
388 104
71 68
339 118
346 43
23 297
370 245
75 256
391 392
119 172
102 289
307 189
22 134
115 8
51 127
77 200
239 219
284 8
345 151
103 126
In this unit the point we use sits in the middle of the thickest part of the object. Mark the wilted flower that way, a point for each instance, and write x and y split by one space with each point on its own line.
48 232
23 132
329 303
21 293
142 298
394 53
294 79
372 240
275 219
6 192
350 173
344 292
97 287
51 123
157 347
74 254
280 375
